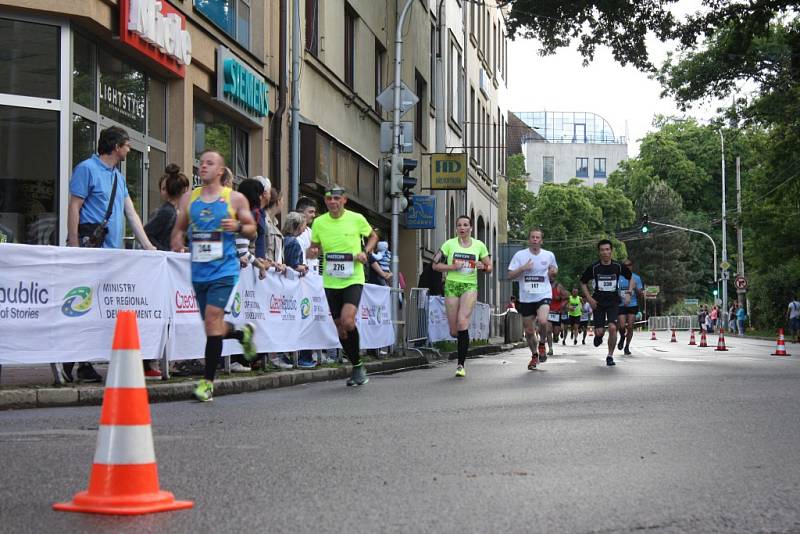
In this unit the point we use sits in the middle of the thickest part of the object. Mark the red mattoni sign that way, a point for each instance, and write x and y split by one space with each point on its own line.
157 30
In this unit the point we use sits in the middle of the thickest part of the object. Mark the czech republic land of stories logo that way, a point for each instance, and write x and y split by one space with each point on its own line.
77 301
305 308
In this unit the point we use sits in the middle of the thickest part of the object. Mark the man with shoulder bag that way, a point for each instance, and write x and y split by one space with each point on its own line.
98 199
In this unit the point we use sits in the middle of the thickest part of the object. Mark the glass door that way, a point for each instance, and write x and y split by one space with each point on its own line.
134 170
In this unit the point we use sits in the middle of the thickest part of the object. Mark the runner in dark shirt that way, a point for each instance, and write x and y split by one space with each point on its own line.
605 300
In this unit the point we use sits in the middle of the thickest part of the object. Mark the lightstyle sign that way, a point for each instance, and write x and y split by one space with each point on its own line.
449 171
240 87
158 30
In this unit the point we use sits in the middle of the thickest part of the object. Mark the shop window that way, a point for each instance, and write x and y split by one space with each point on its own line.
84 139
122 92
420 111
84 72
231 16
213 131
29 59
380 61
29 168
158 161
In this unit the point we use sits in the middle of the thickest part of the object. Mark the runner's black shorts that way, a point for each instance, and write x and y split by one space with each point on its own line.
574 319
628 310
337 298
605 314
526 309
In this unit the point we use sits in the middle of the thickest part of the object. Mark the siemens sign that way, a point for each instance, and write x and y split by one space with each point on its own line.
241 87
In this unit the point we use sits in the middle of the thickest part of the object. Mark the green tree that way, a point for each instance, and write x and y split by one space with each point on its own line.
520 199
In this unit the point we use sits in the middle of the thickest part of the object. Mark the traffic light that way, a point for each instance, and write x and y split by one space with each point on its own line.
645 227
408 183
716 292
391 180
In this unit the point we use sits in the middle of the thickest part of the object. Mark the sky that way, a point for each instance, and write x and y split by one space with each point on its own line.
624 96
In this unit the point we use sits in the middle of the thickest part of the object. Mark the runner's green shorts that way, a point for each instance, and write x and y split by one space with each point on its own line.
456 289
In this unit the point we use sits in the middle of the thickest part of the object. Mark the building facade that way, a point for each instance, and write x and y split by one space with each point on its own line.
567 145
188 76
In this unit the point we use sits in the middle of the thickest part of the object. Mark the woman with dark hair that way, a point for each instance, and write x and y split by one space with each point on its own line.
460 259
253 191
172 185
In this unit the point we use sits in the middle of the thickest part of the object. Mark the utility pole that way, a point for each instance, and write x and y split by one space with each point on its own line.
741 293
397 166
724 233
439 234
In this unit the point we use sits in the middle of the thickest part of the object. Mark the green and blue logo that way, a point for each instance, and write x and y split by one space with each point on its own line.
236 307
305 308
77 301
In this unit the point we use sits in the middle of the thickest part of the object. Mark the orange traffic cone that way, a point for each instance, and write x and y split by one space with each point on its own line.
124 477
691 339
721 342
653 335
780 349
674 339
703 340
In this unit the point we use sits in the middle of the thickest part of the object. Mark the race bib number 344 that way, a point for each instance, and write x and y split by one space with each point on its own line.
339 265
206 246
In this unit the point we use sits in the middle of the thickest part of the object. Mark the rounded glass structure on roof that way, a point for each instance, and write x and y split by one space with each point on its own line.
569 126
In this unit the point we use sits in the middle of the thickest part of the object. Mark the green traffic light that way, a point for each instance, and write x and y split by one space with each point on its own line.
645 229
716 292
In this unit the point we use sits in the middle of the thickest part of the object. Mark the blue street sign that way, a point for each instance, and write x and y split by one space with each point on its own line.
422 213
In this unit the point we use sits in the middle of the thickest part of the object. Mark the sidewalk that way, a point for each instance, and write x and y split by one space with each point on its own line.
31 386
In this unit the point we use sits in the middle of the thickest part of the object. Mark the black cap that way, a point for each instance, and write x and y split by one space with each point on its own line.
335 189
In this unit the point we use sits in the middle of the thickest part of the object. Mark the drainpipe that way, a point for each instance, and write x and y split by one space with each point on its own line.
276 125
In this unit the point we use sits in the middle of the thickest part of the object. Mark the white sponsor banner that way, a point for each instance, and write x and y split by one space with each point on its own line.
187 335
374 319
60 304
438 329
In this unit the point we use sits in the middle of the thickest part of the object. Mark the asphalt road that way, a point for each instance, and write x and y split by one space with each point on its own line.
672 439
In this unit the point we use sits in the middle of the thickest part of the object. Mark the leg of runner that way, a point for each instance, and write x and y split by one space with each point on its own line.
529 324
466 303
629 333
348 336
612 340
544 332
451 305
622 322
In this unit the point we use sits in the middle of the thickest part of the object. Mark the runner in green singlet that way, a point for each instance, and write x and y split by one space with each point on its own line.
461 258
574 307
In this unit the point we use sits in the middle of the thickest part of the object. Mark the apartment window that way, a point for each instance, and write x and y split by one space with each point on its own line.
433 64
349 46
312 26
547 169
582 167
471 141
231 16
380 73
419 110
599 167
454 87
472 9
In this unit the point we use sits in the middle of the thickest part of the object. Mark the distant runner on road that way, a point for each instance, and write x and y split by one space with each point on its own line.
605 301
532 268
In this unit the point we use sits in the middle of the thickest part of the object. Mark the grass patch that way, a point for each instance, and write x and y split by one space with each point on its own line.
452 346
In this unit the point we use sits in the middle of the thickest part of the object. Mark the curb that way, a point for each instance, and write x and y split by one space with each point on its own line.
180 391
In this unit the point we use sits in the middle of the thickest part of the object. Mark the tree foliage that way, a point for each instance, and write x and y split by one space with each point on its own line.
520 199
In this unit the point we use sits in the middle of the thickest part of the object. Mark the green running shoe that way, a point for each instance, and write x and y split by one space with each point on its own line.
460 372
359 377
204 391
248 331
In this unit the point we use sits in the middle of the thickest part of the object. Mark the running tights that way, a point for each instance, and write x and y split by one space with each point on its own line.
463 346
213 353
350 344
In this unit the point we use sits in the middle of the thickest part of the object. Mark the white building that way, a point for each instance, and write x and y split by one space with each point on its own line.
570 145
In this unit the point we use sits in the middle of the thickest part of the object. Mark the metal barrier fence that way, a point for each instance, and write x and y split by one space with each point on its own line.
507 325
416 315
672 322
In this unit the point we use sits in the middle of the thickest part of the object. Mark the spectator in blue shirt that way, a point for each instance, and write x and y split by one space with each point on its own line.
90 193
741 316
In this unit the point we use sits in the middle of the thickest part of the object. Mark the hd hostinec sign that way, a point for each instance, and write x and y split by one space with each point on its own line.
240 87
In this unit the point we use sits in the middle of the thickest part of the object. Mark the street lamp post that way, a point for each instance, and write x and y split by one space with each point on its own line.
724 234
713 243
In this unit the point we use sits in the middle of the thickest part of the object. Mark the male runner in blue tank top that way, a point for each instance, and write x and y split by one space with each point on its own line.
214 215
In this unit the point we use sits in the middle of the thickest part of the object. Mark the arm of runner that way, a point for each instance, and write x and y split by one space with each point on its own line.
441 266
514 272
372 240
178 237
244 223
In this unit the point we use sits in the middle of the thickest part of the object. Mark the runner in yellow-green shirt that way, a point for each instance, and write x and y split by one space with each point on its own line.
337 236
574 307
461 258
